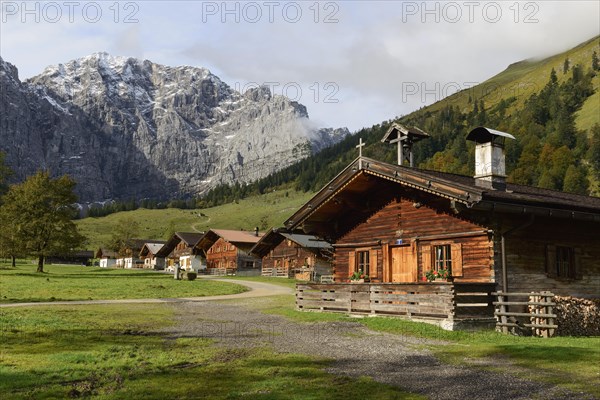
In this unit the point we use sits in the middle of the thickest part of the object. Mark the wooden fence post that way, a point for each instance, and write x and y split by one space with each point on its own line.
503 311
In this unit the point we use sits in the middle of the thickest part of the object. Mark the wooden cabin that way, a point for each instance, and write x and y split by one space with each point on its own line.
149 257
227 252
396 223
129 256
293 255
180 251
78 257
108 258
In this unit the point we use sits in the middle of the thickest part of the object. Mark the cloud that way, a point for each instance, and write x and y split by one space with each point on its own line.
369 58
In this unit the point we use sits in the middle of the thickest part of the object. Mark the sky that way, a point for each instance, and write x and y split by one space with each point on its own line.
351 63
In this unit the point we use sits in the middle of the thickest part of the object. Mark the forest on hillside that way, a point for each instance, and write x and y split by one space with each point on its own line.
550 152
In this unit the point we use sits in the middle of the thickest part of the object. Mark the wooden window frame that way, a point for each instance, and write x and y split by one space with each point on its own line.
372 260
556 257
445 260
366 252
428 257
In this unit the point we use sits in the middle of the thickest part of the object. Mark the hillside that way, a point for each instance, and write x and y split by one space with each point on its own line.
522 79
557 126
264 211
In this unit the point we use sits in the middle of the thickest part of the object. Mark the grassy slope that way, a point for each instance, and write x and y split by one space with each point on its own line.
266 211
524 78
61 282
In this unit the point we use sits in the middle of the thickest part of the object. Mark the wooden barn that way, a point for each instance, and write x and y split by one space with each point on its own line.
180 251
293 255
149 257
108 258
227 252
398 224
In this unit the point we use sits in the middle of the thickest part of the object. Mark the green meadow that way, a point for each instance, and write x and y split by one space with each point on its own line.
265 211
124 351
62 282
116 352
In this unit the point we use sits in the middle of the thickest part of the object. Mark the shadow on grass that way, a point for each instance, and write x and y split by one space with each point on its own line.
550 354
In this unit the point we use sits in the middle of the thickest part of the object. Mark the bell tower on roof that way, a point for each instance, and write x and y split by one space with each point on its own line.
405 138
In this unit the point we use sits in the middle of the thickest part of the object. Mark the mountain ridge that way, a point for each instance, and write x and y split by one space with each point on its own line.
130 128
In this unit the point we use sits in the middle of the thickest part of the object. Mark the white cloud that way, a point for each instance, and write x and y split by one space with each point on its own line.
375 53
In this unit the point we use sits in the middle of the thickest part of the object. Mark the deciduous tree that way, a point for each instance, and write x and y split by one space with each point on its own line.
38 215
123 236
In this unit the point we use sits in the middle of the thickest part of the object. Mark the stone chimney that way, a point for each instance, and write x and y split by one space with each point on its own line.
490 160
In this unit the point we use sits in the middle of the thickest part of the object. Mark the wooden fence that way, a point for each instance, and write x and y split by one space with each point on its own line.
537 309
221 271
277 272
431 300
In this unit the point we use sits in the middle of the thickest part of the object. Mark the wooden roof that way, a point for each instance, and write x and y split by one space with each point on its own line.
152 248
274 237
397 130
189 238
237 238
366 185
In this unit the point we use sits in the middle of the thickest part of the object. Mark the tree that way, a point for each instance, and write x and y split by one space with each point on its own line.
566 66
576 180
123 236
595 62
5 173
38 214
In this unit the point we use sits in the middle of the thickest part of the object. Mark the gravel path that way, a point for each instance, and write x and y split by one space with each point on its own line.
357 351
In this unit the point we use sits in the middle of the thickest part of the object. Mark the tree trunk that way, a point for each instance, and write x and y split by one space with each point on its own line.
14 261
40 267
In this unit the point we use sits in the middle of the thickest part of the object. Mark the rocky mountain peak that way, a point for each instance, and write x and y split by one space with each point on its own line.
125 127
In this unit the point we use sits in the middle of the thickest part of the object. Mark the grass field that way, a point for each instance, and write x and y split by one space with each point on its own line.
573 363
116 352
61 282
119 351
266 211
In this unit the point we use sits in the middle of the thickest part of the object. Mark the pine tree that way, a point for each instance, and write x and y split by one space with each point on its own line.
595 62
566 66
575 180
553 77
5 173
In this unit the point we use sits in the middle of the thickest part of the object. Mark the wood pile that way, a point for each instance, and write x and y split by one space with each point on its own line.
577 317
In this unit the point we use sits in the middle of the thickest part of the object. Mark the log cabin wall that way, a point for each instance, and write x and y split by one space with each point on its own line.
531 257
222 254
420 226
290 255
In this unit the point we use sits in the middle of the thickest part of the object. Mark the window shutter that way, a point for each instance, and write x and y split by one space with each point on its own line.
457 262
577 261
426 258
551 260
351 262
373 264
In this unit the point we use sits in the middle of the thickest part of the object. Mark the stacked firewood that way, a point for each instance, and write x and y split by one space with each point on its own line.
577 317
